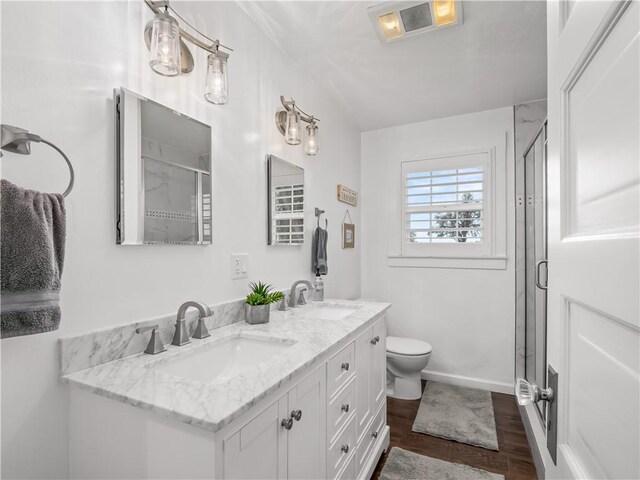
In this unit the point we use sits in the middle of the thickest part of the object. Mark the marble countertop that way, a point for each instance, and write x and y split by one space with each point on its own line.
133 379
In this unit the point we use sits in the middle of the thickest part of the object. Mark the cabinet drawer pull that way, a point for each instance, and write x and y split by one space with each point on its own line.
345 408
296 415
287 423
374 434
345 448
345 366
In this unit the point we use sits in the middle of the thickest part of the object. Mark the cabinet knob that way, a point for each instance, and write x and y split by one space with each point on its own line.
296 415
374 434
375 340
287 423
345 366
345 448
345 407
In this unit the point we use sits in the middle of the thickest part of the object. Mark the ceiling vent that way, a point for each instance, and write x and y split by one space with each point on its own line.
395 20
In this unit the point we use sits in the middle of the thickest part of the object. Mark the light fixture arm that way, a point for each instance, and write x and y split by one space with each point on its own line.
290 105
157 6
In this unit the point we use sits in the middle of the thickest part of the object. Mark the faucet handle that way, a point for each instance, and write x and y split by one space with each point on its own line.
283 304
301 300
155 345
201 330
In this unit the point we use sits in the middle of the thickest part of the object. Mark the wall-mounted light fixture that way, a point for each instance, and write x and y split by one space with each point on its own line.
288 123
170 55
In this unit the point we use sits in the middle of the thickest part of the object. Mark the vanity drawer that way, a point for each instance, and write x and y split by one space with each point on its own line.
341 450
349 472
363 452
341 409
341 368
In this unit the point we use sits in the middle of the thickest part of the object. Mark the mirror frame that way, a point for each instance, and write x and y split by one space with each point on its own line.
122 101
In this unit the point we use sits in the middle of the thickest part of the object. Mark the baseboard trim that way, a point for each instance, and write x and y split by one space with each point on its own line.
473 382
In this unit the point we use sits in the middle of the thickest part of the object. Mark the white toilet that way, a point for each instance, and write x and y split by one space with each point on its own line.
406 358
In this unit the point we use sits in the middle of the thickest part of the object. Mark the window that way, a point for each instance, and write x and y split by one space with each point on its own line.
446 206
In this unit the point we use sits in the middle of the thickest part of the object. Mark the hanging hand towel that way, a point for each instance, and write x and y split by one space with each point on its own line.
319 251
32 236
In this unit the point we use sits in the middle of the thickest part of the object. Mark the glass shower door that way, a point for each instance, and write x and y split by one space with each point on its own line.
536 264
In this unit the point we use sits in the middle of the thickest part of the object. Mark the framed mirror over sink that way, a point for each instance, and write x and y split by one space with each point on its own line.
163 164
285 187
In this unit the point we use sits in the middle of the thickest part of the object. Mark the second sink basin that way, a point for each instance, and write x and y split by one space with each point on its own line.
222 360
328 312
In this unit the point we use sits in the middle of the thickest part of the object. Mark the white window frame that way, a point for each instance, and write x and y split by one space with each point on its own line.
488 254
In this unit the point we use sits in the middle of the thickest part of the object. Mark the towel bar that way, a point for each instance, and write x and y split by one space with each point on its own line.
18 140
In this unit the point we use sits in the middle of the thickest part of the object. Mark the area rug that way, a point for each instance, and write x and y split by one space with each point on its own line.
457 413
404 465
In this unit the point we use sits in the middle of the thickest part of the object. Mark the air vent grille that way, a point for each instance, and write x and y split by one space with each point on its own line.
417 17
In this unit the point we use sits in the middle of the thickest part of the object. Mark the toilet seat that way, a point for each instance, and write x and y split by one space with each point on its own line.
407 346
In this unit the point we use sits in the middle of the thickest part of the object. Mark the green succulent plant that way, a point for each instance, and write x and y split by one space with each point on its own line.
262 294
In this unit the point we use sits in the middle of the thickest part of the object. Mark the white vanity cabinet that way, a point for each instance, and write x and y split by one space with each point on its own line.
326 423
284 441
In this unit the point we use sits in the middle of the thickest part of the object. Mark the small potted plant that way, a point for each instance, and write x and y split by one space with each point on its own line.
259 302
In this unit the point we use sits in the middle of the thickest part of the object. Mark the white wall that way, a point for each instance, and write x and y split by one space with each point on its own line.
467 315
60 62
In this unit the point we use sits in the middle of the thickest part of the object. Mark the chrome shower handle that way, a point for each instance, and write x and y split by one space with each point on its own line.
538 265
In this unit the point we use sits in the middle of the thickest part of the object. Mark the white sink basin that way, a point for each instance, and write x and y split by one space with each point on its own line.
222 360
327 312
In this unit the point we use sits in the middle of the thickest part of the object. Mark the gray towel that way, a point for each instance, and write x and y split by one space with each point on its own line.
32 237
319 251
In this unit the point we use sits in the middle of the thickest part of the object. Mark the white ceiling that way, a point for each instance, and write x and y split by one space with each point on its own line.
496 58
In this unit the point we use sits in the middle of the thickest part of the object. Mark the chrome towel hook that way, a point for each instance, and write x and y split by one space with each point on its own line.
18 140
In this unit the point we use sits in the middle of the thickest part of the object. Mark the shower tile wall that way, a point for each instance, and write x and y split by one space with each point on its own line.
528 119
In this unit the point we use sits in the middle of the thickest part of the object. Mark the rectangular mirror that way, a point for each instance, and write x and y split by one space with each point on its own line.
163 174
286 202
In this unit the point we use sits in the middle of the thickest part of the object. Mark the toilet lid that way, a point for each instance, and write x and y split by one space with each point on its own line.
407 346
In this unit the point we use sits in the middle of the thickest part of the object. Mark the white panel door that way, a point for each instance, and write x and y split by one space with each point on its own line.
308 436
364 400
379 363
258 450
594 209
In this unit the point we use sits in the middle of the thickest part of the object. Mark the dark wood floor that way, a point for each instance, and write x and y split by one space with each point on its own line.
513 460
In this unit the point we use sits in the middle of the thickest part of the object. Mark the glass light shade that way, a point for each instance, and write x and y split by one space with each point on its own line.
390 25
292 130
311 142
165 45
444 12
216 88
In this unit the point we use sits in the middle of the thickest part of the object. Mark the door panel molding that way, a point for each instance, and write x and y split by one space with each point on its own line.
602 363
609 209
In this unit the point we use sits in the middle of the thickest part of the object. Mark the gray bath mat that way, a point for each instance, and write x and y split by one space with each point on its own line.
457 413
404 465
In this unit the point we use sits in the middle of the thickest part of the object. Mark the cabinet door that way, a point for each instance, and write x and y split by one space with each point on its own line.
364 403
307 441
258 450
379 363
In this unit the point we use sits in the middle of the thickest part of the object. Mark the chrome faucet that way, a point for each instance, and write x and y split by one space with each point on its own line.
181 335
293 301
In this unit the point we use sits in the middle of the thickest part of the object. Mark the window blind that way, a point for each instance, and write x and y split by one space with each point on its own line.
443 206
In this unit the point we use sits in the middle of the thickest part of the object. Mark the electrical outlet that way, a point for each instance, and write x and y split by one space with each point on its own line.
239 265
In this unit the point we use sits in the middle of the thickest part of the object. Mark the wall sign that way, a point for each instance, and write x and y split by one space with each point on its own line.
347 195
348 232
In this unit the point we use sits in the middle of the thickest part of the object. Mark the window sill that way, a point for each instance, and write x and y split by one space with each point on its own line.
478 263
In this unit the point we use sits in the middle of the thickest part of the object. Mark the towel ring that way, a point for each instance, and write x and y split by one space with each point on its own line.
18 140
